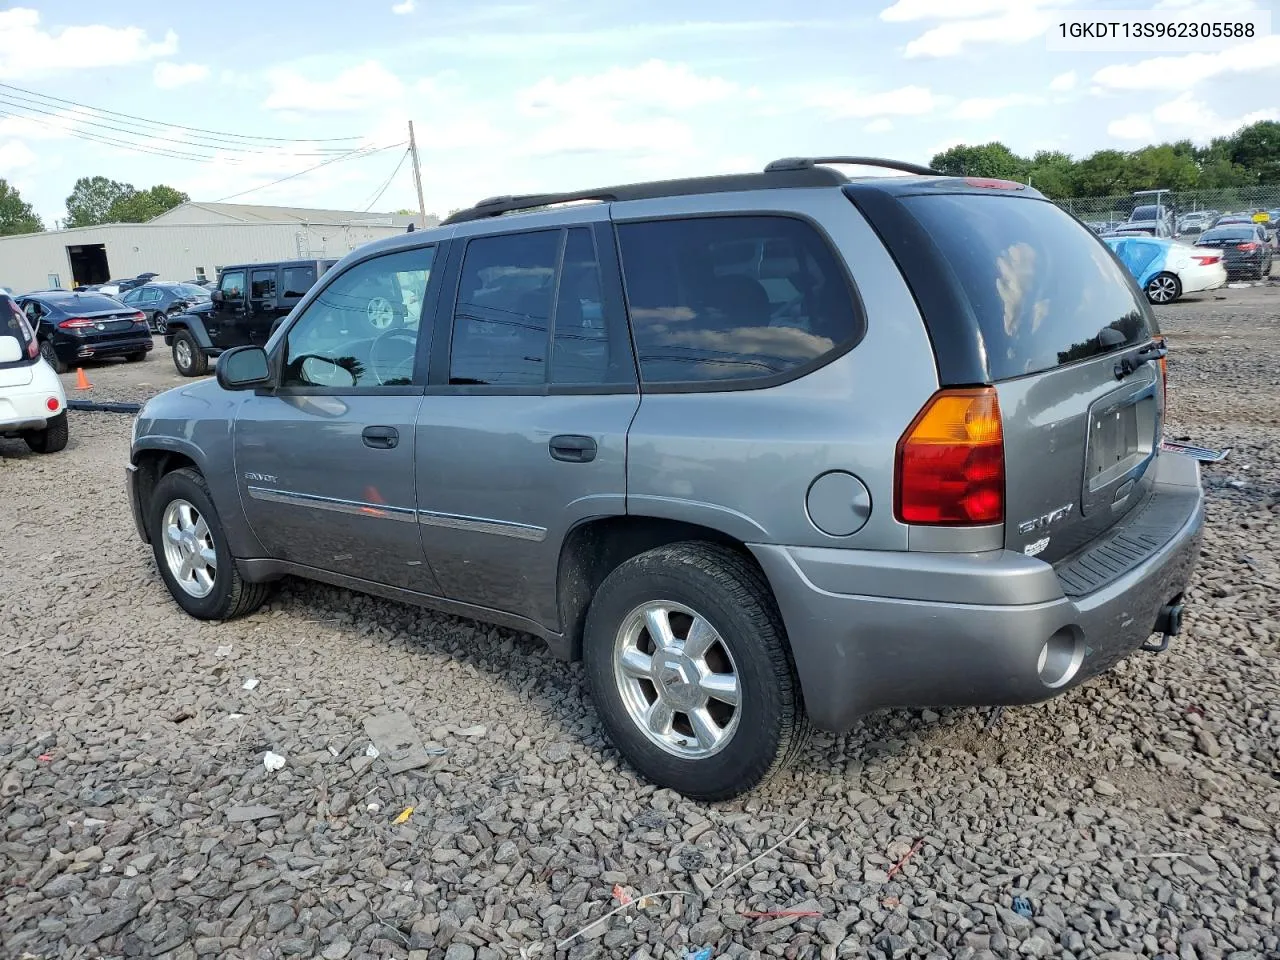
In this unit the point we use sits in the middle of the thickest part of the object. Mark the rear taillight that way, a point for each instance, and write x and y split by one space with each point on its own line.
139 318
1207 261
950 463
52 404
991 183
1164 374
1246 246
76 323
29 335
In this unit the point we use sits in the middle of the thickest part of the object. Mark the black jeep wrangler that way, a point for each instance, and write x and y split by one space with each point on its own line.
248 303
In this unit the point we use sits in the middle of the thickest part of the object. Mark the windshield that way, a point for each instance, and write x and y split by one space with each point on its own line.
191 290
1040 284
1146 213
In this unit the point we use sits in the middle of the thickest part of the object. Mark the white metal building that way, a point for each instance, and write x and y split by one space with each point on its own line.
190 241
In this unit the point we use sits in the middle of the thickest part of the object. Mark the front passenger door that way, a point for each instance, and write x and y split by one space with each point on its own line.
325 460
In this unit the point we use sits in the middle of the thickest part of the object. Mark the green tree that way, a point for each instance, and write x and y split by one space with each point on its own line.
1162 166
1103 173
16 215
92 198
143 205
1052 172
1256 148
986 160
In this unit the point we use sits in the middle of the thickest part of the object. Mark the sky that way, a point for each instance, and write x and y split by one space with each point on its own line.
515 97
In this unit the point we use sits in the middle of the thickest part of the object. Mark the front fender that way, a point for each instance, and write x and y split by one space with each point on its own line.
188 321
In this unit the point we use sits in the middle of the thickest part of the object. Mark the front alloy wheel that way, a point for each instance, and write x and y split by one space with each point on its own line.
188 549
677 679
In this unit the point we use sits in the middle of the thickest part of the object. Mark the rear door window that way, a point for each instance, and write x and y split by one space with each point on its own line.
1040 284
733 298
296 281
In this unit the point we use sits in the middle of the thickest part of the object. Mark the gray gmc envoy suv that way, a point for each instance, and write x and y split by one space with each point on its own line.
764 451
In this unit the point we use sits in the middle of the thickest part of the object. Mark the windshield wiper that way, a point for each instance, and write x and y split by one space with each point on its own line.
1152 351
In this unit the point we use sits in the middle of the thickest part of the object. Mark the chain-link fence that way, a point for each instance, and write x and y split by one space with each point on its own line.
1235 200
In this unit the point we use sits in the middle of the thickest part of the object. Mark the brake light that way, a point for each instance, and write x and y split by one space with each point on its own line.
1207 261
950 461
76 323
991 183
1247 246
33 345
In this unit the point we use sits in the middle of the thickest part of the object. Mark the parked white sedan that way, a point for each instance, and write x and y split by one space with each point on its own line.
1166 269
33 405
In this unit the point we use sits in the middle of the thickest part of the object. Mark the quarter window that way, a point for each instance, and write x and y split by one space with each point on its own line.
733 298
362 330
503 309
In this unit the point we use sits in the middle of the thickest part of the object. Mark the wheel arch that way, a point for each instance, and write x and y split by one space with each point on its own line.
191 322
154 462
596 547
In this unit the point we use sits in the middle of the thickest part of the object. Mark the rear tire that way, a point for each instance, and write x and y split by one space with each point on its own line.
51 357
52 438
188 358
1164 288
694 588
160 322
226 594
136 357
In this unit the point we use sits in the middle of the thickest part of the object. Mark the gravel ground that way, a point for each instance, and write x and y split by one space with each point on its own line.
1138 816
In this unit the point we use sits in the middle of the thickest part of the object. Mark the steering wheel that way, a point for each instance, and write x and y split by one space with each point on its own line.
401 368
380 312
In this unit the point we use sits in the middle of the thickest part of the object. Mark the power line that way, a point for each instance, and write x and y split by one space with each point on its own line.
113 142
176 126
362 152
36 107
378 195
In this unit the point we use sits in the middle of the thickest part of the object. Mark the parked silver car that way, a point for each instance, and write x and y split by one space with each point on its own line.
766 451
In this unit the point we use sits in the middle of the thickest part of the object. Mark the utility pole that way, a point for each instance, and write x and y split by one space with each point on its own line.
417 177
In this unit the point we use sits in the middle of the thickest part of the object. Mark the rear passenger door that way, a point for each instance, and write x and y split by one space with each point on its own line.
522 434
263 305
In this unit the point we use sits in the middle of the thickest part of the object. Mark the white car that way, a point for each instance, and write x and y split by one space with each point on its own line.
1166 270
33 405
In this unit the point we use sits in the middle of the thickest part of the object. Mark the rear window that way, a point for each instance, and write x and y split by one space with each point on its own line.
86 303
1040 284
1234 233
733 298
1146 213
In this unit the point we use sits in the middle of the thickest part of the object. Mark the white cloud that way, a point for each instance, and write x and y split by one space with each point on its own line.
15 154
169 75
909 101
1184 116
1064 82
407 6
1189 70
951 39
908 10
983 108
654 84
883 125
367 85
29 51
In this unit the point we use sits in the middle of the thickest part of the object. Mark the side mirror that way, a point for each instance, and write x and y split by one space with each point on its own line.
243 368
10 350
216 296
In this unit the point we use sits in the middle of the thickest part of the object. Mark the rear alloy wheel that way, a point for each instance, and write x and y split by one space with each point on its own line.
160 323
51 357
1164 288
52 438
192 552
190 360
690 672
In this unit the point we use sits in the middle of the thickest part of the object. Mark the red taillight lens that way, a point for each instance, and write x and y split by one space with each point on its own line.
1246 246
1207 261
76 323
950 468
52 404
991 183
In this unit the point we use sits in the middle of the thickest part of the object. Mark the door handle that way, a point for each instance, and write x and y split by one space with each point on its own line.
380 438
573 449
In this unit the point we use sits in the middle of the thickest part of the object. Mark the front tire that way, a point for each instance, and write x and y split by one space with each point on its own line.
188 358
191 550
690 671
51 357
1164 288
52 438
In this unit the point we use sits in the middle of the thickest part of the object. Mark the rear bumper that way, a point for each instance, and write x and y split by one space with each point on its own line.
875 630
1197 279
69 351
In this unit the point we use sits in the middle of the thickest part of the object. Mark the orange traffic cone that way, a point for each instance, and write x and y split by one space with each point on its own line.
82 382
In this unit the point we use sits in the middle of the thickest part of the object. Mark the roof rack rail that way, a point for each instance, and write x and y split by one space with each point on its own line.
798 176
808 163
